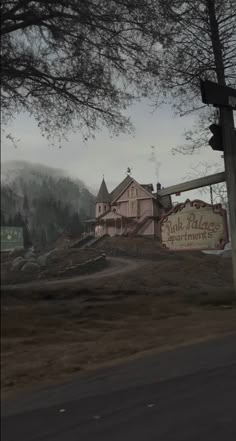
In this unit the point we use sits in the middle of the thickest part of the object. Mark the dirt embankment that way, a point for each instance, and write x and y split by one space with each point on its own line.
138 247
58 262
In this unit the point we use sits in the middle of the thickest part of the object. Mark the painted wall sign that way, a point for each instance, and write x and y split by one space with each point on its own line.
194 225
11 237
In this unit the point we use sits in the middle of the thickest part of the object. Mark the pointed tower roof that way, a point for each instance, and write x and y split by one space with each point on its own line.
103 195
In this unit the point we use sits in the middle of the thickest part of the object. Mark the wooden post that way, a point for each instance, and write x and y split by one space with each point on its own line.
211 194
229 144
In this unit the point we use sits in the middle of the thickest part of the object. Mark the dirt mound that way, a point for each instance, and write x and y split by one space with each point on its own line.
140 247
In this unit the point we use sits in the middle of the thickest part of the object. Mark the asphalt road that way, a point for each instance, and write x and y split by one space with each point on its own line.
188 394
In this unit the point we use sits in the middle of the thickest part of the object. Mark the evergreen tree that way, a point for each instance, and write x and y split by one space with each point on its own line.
18 220
75 226
26 235
2 219
25 203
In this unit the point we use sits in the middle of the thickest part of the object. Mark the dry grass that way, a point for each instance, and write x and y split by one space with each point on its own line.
48 336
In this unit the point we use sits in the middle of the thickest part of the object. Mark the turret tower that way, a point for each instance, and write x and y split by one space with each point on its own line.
103 200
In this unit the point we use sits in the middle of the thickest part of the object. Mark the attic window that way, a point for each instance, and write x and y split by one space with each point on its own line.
132 191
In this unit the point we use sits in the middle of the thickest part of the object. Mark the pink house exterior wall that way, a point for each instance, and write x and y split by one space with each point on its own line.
104 208
122 208
146 207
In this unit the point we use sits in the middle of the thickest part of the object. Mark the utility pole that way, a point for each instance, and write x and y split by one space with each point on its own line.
224 97
229 145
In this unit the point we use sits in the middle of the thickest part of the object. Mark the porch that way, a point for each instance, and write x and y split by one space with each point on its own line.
111 225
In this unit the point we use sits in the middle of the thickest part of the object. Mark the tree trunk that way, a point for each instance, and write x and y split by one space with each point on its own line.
216 43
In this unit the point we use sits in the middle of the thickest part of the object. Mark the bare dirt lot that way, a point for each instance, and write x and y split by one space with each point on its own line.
50 334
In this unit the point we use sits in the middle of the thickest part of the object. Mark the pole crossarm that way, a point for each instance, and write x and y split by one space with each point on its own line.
193 184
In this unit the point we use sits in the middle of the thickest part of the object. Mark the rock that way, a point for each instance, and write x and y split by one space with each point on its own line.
30 267
17 263
30 255
44 258
17 251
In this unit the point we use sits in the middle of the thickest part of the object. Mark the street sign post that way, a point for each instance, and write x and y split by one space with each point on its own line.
229 145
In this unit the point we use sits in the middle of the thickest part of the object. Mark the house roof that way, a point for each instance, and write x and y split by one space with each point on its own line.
111 215
148 187
103 195
165 201
119 189
125 183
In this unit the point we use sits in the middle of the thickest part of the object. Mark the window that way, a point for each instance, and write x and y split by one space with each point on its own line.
132 192
99 208
105 207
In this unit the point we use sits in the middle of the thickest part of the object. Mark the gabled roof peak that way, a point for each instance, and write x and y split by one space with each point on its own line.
120 188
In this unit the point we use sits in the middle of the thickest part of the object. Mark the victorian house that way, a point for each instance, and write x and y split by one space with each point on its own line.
130 209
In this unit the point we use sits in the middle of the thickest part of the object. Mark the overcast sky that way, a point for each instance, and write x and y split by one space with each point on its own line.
111 156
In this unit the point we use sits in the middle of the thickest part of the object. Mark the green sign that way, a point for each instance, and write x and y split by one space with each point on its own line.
11 237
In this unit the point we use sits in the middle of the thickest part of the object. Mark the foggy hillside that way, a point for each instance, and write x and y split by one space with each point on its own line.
47 199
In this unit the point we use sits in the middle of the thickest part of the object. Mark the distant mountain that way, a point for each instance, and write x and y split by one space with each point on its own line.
47 199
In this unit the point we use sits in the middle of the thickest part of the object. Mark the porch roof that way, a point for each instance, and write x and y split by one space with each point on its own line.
111 215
